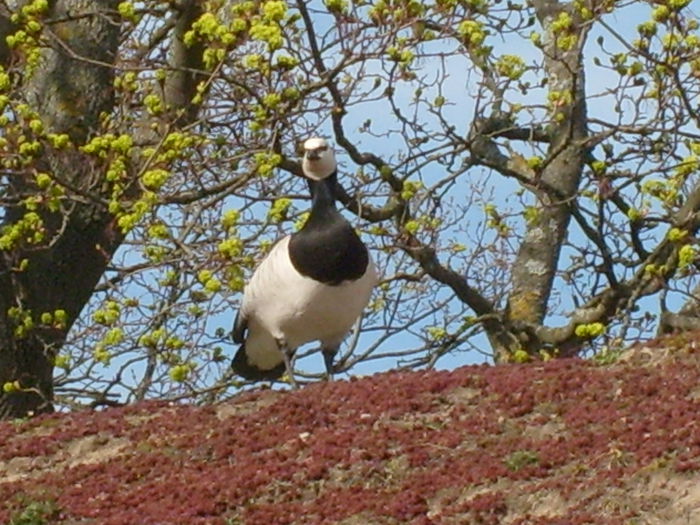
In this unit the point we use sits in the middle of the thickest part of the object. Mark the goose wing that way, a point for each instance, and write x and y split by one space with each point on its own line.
240 325
263 282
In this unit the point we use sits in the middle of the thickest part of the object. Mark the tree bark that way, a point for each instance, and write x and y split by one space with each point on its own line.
537 259
186 61
70 89
69 94
5 29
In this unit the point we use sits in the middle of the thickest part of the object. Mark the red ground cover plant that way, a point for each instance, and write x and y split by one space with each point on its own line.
562 442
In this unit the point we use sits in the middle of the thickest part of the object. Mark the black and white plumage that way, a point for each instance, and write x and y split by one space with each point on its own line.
312 286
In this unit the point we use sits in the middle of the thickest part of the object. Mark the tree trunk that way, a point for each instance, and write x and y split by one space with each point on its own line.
69 94
71 89
5 29
536 263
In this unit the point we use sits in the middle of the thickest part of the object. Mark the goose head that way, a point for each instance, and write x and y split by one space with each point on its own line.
319 159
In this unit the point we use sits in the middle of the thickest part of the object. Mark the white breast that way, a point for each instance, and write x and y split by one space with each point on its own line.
279 303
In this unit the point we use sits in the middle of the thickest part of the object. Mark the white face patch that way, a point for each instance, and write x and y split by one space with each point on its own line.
315 143
319 159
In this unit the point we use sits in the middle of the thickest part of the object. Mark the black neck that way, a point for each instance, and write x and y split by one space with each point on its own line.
327 249
323 193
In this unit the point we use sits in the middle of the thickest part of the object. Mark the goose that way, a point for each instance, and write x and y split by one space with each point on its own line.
312 286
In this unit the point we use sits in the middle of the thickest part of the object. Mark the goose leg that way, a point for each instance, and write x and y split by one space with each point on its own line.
288 357
328 357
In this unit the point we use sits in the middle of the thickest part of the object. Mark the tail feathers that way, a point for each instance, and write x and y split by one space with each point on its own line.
246 370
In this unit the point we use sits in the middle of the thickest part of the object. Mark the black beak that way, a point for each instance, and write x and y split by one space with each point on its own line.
313 154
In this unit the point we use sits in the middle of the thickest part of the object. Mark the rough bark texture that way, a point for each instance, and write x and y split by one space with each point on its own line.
5 29
536 263
186 61
70 89
69 93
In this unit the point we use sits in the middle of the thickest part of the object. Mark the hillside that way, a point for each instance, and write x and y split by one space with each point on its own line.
563 442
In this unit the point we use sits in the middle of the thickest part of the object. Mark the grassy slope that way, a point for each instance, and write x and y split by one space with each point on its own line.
564 442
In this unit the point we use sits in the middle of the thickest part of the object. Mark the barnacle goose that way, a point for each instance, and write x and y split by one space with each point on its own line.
312 286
